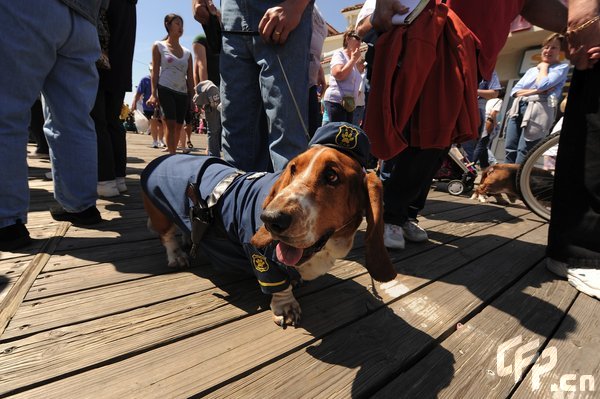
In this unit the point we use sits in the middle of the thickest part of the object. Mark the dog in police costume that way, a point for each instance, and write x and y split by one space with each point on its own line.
283 227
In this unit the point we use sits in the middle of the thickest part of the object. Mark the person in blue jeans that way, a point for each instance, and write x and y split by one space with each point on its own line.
51 47
264 80
537 95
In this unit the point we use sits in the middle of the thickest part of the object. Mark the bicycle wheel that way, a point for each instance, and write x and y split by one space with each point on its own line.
535 177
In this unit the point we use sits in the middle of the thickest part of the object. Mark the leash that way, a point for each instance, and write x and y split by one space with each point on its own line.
293 97
285 77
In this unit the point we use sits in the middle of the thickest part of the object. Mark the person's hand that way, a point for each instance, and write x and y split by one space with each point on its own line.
278 22
543 66
152 101
384 11
355 56
584 46
200 8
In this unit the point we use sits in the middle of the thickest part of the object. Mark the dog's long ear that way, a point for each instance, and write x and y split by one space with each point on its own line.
377 258
262 237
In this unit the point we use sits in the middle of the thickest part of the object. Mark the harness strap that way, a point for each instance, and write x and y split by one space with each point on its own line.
201 213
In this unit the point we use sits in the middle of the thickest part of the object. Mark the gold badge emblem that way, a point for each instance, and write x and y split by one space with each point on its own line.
260 263
347 137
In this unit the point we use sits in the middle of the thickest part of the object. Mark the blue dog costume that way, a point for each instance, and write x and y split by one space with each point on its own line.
237 211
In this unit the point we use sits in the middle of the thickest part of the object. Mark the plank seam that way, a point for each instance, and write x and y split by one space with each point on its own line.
15 297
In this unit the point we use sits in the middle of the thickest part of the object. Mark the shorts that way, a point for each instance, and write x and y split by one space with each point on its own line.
173 103
189 117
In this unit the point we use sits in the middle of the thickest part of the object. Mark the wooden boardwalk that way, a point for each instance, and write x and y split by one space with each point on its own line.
95 313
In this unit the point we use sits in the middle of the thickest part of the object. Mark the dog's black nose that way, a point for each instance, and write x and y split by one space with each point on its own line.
275 221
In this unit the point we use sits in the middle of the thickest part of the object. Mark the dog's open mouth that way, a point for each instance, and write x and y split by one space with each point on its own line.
292 256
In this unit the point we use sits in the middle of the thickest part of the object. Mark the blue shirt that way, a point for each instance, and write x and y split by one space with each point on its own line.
492 84
557 76
145 89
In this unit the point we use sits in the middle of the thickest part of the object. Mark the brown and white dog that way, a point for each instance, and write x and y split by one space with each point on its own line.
496 180
310 214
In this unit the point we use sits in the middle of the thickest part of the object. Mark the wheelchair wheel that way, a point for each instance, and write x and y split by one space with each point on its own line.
535 177
455 187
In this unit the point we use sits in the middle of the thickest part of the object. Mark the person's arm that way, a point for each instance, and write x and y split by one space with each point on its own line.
279 21
200 63
583 33
384 11
321 79
488 94
200 10
189 79
342 71
547 14
153 100
490 122
552 77
364 25
136 98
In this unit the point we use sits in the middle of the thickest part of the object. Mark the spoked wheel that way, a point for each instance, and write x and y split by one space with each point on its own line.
535 178
455 187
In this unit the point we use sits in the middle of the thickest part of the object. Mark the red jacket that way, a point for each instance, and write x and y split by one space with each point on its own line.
426 72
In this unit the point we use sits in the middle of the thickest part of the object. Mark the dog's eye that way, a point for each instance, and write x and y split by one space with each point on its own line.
331 177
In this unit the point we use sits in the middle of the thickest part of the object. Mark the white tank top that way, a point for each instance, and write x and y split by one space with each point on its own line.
173 70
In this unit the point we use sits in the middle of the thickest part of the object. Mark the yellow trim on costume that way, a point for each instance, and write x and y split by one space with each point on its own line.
272 284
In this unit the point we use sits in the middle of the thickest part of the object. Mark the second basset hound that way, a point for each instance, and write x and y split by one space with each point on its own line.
283 226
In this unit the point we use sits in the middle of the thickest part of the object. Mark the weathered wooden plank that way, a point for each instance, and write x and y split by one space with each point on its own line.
531 310
218 355
18 291
357 359
102 274
47 313
75 306
569 365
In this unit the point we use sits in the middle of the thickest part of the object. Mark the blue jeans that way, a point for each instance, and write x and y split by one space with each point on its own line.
52 50
262 129
515 146
337 113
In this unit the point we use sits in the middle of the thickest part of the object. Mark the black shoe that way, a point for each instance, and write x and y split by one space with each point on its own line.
87 217
14 236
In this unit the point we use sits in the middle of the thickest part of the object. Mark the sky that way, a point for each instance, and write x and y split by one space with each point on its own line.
150 15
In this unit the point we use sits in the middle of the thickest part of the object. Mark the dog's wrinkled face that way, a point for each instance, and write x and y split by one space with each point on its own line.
320 194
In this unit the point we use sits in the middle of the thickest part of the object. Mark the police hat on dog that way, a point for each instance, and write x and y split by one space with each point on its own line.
343 136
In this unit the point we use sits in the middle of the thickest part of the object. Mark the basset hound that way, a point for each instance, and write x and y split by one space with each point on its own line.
282 227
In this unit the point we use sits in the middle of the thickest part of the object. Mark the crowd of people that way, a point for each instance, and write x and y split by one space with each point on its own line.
264 58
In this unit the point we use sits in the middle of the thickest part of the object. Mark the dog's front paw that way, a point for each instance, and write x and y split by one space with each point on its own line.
286 309
178 259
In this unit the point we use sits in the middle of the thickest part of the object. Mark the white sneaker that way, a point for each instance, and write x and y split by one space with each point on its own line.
392 236
155 144
107 188
161 144
413 232
585 280
121 185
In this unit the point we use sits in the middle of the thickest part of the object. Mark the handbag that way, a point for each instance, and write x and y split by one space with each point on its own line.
348 103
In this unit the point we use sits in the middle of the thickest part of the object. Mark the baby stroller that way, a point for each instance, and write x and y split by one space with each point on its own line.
458 172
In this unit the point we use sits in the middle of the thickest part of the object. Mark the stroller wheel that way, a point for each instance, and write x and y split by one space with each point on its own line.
455 187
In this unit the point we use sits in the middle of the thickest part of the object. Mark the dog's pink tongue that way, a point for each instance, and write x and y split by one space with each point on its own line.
288 255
